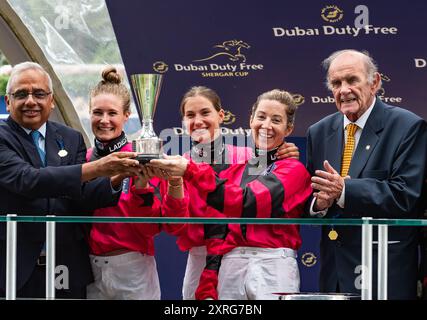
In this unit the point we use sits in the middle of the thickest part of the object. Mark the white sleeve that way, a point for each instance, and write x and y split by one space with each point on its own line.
341 199
317 214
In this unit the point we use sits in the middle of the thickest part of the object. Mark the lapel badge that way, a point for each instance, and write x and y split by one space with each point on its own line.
368 147
62 153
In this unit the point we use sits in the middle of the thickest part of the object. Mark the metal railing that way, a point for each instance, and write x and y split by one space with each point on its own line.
51 220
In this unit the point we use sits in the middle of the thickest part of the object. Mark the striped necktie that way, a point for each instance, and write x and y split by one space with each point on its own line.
35 134
351 129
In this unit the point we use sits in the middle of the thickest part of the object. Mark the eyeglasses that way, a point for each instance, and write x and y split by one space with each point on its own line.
39 95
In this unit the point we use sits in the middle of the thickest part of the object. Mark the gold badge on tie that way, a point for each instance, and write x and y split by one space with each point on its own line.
333 235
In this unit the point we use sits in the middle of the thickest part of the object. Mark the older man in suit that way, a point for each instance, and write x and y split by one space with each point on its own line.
367 160
42 171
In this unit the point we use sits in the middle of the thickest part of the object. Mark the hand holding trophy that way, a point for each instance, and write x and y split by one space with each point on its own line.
147 89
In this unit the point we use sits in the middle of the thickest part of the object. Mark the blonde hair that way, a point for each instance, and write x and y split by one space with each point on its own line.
111 83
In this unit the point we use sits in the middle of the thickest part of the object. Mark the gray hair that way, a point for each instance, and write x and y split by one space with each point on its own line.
370 65
24 66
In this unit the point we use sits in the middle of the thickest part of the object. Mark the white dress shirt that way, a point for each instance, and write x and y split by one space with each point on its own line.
42 138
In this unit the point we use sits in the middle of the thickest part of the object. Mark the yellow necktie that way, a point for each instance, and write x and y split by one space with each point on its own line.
351 129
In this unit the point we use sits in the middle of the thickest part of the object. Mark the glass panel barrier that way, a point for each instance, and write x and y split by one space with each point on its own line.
198 220
366 275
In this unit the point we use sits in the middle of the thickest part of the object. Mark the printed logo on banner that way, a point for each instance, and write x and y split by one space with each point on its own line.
309 259
298 99
384 78
332 14
358 25
381 92
227 59
160 67
230 49
229 117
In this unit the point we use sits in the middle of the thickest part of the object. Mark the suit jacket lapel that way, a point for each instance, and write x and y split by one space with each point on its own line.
52 146
26 143
334 143
368 140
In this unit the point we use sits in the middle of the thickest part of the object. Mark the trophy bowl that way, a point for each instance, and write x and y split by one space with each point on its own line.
146 88
147 149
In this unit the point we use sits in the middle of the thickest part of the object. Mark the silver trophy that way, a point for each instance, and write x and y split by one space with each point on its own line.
147 89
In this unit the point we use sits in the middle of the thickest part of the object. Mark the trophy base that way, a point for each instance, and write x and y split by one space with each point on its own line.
145 158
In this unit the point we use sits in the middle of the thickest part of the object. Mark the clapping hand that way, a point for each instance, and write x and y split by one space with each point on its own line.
330 185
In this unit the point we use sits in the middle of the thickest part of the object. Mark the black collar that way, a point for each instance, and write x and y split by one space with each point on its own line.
212 152
104 149
265 157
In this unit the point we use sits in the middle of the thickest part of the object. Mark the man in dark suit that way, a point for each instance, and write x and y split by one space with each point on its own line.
45 173
367 160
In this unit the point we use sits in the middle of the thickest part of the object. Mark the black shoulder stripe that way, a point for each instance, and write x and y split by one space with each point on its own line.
215 231
147 199
215 199
220 167
213 262
277 194
249 208
243 229
249 204
156 191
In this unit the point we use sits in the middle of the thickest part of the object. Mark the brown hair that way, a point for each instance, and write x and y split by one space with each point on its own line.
281 96
112 83
206 92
